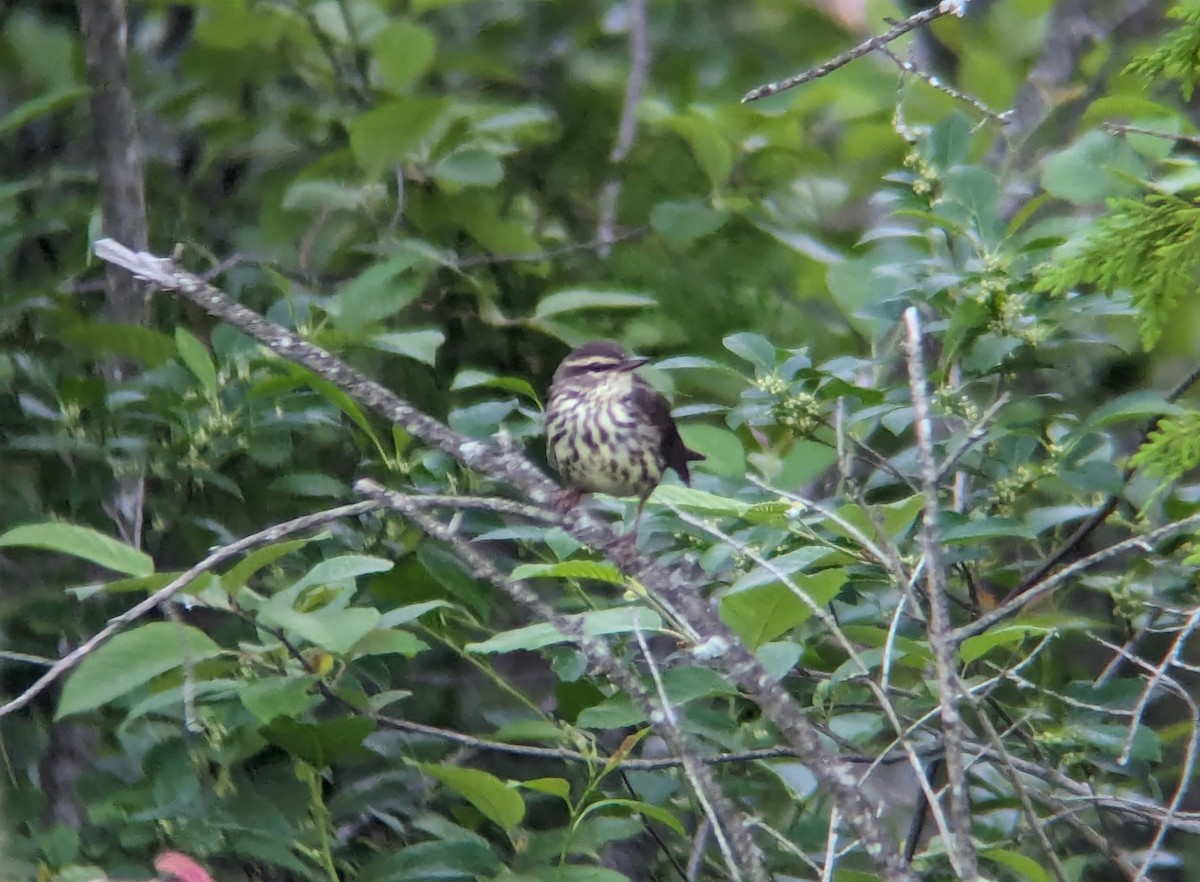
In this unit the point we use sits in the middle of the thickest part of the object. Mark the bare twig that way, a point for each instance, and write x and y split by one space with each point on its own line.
961 848
936 83
898 30
639 68
1114 128
131 615
1065 575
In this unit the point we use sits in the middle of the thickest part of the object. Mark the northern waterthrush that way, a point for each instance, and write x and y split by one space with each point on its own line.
607 429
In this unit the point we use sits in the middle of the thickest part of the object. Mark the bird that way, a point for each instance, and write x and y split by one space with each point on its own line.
608 430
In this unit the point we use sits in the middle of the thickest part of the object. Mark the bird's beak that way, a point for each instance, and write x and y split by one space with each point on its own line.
632 364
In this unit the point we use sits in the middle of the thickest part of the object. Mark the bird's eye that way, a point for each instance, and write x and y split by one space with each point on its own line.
595 367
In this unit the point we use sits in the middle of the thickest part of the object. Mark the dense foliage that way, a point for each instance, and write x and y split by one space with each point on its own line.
449 195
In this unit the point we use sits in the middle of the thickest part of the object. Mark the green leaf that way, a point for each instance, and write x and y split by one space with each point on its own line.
391 134
239 574
1031 869
760 614
271 697
554 786
708 145
82 542
698 500
335 630
311 484
571 569
470 167
420 346
1096 167
1005 635
383 641
653 812
402 52
575 299
196 357
43 105
341 568
376 293
681 223
495 800
130 660
754 348
469 378
621 620
145 345
319 744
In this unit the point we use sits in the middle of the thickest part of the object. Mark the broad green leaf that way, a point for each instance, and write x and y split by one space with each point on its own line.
1029 868
575 299
284 696
554 786
131 660
898 517
388 641
82 542
319 744
698 500
341 401
337 569
390 134
709 146
145 345
336 630
1003 635
681 223
236 576
448 857
779 657
402 52
1096 167
494 799
470 167
621 620
653 812
571 569
311 484
420 346
193 354
760 614
43 105
754 348
722 447
469 378
404 614
377 293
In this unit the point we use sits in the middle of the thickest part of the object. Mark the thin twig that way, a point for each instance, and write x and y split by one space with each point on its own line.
897 31
639 69
936 83
961 848
1115 128
131 615
1065 575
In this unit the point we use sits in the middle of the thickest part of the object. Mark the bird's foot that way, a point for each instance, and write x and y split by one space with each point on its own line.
567 500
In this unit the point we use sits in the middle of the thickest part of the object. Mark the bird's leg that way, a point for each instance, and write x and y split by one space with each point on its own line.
567 500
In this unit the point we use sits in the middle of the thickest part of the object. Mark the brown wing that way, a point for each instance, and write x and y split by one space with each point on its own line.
658 412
